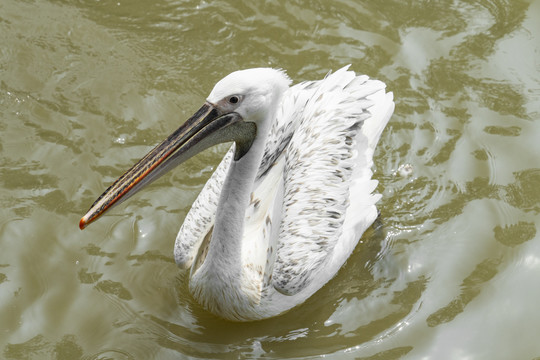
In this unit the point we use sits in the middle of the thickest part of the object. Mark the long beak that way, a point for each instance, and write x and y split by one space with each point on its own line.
207 127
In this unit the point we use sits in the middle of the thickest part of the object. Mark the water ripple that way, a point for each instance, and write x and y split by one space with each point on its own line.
88 87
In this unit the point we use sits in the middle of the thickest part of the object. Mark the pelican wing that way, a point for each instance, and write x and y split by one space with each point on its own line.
285 124
200 219
320 161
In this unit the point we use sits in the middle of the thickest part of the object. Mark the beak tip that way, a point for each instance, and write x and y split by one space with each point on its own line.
82 223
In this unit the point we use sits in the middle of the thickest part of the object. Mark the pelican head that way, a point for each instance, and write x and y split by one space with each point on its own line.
237 109
250 93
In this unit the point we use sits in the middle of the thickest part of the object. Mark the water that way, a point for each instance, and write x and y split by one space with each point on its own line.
450 270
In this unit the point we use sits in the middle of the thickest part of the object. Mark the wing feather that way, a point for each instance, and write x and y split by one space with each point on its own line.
320 159
200 218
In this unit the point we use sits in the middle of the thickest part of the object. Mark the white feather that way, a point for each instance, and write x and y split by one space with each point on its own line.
292 210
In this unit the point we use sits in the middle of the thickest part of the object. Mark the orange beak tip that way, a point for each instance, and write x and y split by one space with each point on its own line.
82 224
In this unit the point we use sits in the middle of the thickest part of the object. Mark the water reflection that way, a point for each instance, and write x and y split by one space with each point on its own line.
447 272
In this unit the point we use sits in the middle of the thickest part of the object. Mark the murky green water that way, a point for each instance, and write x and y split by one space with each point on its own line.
450 271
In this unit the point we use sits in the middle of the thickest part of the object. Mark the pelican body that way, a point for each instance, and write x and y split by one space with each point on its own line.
289 201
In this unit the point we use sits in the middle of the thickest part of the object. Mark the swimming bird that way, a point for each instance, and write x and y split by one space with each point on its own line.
291 198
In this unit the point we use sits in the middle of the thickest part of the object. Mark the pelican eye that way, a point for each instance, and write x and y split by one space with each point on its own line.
234 99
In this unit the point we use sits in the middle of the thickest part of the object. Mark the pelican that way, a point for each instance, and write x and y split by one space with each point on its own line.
289 201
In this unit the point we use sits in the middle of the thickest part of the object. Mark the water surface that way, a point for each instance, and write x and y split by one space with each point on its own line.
449 270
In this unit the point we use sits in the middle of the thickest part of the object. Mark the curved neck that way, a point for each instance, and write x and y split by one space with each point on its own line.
225 251
224 260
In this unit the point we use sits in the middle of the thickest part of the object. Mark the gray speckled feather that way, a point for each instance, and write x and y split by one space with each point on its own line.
319 162
200 218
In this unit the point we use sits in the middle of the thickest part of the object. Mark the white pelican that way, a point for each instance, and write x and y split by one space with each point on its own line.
289 201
